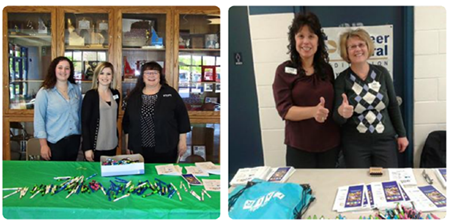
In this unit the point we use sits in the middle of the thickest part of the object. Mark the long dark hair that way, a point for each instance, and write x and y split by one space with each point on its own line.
321 58
50 79
153 65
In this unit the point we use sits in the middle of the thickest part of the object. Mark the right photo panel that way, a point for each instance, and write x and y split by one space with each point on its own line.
337 112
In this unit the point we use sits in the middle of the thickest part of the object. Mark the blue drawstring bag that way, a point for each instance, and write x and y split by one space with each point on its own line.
269 200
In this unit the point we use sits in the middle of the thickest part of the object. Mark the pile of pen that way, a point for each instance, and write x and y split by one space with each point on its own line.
400 212
118 189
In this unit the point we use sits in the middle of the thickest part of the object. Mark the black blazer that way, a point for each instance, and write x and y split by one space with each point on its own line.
171 119
90 117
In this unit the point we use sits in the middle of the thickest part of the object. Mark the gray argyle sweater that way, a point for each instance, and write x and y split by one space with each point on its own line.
376 110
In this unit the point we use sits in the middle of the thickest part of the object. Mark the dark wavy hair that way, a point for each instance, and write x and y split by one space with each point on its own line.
321 57
153 65
50 79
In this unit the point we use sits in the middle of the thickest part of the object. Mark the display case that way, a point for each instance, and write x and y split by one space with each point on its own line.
86 34
28 45
199 61
144 37
184 40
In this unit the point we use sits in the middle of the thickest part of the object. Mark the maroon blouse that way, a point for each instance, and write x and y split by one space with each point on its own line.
293 90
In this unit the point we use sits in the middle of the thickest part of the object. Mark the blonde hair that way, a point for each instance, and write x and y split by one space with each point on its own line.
361 34
98 70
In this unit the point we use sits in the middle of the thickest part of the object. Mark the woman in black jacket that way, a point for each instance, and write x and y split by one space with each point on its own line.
156 121
99 114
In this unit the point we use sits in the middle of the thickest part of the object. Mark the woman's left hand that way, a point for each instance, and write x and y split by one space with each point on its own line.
402 144
181 148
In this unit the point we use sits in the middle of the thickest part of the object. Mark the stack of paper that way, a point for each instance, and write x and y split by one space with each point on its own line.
212 185
427 198
441 176
386 195
351 198
245 175
209 167
169 169
281 174
404 175
266 173
196 171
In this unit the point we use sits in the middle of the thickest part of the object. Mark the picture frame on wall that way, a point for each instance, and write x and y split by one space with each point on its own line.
208 74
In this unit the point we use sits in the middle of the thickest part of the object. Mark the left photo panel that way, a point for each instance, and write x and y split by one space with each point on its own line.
111 112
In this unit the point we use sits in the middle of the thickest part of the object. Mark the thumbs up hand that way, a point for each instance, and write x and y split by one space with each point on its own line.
345 110
320 111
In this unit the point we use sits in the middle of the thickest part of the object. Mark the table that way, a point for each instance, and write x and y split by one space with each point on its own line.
325 182
96 205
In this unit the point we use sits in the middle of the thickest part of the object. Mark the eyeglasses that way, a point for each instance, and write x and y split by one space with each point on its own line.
428 179
354 47
154 73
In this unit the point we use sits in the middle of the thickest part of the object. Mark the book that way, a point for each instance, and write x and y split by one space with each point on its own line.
209 167
169 169
441 176
427 198
404 175
191 179
281 174
196 171
435 196
351 198
386 195
212 185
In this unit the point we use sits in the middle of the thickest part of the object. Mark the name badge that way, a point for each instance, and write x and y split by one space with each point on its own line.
290 70
375 85
115 97
167 95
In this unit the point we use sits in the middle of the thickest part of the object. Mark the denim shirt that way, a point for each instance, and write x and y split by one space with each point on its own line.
54 116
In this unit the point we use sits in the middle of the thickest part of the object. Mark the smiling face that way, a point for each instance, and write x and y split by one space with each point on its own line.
105 77
62 71
306 43
357 50
151 78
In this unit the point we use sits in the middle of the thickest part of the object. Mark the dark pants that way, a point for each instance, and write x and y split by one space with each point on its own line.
65 149
150 156
99 153
303 159
370 151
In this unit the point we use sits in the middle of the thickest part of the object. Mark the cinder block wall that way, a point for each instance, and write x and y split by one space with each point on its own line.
430 75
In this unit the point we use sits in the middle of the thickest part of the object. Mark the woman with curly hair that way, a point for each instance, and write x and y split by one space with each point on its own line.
304 94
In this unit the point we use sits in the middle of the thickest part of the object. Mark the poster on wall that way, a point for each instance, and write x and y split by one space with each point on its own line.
382 37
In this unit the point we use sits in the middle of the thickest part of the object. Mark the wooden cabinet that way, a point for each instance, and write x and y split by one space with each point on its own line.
125 36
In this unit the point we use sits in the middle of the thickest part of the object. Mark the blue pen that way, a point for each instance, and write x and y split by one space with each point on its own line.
91 176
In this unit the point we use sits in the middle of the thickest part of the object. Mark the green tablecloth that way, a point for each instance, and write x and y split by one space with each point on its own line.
96 205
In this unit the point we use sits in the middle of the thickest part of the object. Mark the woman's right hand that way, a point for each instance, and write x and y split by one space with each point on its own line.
345 110
89 154
128 151
46 152
320 111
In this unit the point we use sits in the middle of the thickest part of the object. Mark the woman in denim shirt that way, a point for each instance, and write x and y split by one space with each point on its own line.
57 113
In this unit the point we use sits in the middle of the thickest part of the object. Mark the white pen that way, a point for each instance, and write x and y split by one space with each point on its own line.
176 190
62 178
15 192
12 189
37 192
203 190
117 199
195 195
